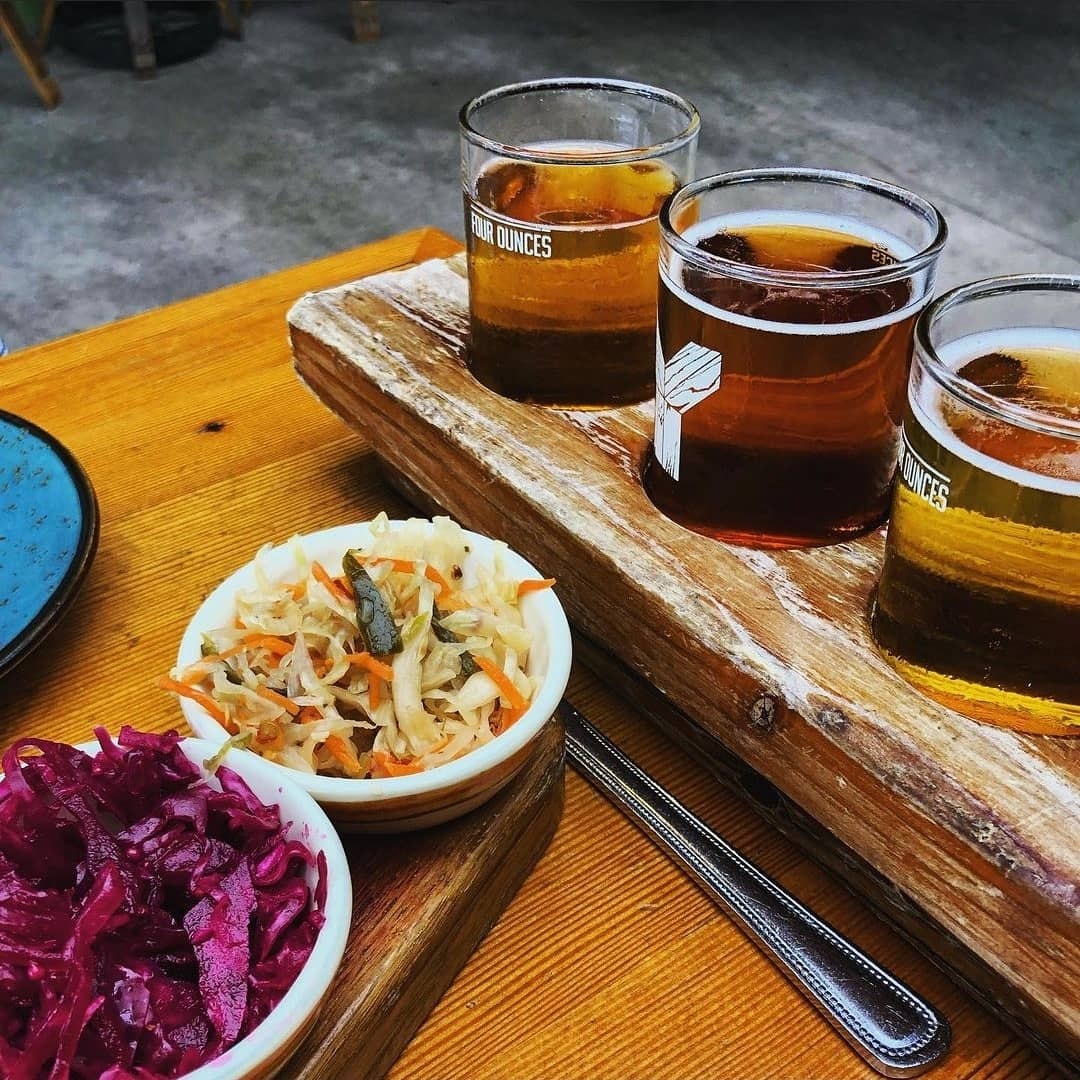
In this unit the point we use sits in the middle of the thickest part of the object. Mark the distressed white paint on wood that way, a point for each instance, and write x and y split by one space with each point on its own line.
768 651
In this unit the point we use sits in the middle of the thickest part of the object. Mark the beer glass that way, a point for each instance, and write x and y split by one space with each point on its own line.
563 179
979 599
787 302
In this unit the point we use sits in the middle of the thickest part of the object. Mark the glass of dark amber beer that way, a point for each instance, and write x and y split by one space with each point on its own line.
563 180
979 599
788 299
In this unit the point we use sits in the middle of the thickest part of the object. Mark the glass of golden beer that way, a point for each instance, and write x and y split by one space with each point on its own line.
788 299
979 599
563 180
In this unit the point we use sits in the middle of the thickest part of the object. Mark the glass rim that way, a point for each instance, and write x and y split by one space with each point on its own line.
833 279
971 393
554 157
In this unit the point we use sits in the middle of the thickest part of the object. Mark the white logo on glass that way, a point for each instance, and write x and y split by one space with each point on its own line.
689 377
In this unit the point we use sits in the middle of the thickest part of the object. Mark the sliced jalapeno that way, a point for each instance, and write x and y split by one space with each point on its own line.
373 616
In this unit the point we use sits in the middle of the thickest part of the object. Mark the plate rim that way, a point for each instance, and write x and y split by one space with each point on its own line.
46 618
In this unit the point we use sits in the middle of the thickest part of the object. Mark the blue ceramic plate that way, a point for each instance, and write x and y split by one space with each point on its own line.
48 535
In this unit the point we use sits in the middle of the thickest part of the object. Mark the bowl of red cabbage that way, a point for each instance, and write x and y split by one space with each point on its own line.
166 910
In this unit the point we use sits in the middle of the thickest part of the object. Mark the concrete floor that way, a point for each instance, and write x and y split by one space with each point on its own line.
295 143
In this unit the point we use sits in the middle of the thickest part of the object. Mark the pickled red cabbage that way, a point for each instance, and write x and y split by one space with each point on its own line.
147 920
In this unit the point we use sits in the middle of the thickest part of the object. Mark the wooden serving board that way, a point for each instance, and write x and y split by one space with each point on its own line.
965 835
422 902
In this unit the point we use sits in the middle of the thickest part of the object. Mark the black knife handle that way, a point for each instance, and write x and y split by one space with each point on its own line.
889 1025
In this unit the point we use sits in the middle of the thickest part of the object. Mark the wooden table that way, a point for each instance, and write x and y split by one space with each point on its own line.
201 445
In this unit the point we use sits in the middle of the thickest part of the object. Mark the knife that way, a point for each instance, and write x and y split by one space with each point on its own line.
892 1029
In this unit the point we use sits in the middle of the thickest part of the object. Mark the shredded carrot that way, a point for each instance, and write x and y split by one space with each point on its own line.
308 714
384 764
273 645
239 623
454 602
321 576
499 677
345 754
444 586
205 700
503 718
509 717
374 691
534 585
408 566
277 646
197 671
278 699
367 661
319 573
299 590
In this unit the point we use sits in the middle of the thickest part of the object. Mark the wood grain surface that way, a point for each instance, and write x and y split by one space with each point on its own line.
202 444
768 652
421 905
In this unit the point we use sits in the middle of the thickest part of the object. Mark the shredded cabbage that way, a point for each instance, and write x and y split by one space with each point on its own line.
293 676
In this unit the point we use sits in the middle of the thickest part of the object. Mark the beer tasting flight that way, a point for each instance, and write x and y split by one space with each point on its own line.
806 385
184 904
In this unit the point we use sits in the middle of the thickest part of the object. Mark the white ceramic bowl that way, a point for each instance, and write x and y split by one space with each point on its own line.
402 803
265 1051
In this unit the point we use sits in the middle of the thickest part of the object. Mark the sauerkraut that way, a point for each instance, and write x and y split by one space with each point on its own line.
293 680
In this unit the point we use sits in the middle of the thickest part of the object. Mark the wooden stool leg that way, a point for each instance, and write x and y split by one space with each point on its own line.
365 20
142 41
231 23
12 28
48 14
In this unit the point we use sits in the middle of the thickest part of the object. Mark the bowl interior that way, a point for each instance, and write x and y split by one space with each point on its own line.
549 661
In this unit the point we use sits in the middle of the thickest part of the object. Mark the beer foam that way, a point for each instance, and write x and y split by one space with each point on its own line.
860 232
1012 341
857 230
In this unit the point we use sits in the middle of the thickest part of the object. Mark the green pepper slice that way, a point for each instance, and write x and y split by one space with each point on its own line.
448 637
237 742
208 648
373 616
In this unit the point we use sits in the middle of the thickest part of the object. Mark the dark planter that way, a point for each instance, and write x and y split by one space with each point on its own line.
96 32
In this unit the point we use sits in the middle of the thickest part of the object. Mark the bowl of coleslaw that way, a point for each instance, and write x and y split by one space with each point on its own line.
399 671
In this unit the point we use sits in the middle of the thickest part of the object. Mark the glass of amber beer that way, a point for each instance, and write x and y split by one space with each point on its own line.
563 180
979 599
787 303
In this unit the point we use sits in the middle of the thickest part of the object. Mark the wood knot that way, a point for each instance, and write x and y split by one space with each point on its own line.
763 714
833 719
213 425
981 829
